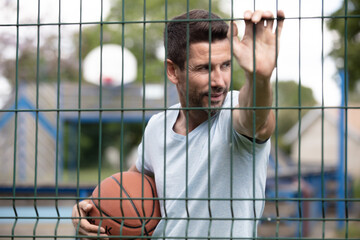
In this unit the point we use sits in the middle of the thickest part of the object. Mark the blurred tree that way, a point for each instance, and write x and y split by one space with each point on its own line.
288 97
132 133
349 34
42 67
36 49
138 25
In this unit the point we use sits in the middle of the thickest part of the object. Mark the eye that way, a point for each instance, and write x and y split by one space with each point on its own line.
203 68
226 65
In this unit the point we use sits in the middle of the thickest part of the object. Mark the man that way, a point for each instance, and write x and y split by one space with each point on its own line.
211 171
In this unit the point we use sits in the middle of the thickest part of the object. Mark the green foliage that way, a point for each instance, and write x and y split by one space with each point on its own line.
142 34
351 232
140 28
88 176
349 34
130 23
290 98
38 64
356 189
124 138
238 76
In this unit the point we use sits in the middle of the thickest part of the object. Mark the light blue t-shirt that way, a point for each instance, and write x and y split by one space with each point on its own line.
205 178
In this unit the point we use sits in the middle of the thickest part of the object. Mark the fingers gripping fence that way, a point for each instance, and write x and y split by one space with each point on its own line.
62 133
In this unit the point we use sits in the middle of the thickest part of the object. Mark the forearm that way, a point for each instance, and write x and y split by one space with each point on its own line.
255 98
258 106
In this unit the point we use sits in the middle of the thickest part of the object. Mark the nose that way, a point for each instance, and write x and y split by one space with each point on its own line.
217 78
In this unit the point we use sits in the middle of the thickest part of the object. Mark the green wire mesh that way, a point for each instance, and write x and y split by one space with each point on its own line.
37 210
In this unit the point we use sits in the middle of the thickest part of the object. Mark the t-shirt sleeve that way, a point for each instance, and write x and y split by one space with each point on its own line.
142 163
248 143
144 160
240 140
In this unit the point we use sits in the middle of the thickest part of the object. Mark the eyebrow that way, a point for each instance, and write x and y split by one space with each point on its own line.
199 66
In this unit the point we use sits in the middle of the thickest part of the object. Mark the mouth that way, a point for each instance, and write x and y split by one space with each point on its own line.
215 97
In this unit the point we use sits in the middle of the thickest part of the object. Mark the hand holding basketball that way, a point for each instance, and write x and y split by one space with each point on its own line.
124 205
82 225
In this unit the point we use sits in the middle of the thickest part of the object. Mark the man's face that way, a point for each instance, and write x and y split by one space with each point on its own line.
200 93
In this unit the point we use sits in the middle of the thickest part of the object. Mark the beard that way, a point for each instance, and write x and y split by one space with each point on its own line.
201 100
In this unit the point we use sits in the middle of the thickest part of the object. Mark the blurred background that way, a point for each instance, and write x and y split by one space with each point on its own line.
80 79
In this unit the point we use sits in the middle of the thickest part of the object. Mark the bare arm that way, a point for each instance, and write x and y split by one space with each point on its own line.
266 50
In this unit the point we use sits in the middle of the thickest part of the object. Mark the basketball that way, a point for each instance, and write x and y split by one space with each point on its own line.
126 205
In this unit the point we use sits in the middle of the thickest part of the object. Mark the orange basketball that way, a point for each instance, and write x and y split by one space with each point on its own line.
129 207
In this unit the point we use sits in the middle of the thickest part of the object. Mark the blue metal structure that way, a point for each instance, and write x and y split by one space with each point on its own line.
341 177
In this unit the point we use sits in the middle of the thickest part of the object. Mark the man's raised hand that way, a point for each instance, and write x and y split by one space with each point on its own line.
266 45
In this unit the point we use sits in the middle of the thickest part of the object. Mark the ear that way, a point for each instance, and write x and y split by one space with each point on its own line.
172 71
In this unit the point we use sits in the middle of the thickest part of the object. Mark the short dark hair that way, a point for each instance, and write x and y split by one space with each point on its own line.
176 38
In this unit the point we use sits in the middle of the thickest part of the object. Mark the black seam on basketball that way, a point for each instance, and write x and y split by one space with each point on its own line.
154 202
103 212
151 230
153 193
147 232
106 214
111 217
131 201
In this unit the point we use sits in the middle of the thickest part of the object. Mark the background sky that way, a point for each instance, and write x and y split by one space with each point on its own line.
302 44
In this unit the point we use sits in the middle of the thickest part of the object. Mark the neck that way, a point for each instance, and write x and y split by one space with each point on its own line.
188 120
